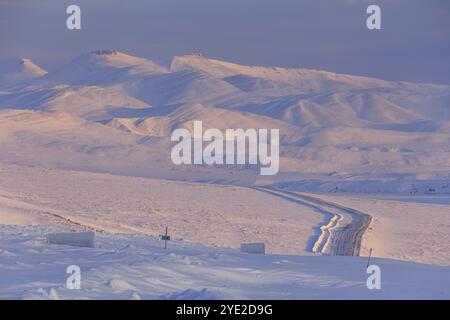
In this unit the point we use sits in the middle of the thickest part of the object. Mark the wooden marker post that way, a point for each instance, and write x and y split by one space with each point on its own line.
166 238
368 261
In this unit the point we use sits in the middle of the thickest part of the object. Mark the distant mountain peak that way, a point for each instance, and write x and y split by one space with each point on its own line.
102 67
197 55
114 58
105 52
19 71
306 80
28 63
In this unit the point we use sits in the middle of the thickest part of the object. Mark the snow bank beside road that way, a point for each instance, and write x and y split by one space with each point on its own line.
403 230
137 267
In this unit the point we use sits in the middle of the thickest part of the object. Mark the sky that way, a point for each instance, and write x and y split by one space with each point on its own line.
413 44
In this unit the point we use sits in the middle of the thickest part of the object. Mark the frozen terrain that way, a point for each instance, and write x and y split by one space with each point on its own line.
338 132
404 230
87 147
216 215
137 267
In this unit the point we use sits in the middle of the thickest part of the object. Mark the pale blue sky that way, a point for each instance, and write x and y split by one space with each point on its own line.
413 45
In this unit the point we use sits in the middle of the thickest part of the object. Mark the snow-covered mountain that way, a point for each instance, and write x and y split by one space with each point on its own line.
102 67
87 147
357 128
15 72
304 80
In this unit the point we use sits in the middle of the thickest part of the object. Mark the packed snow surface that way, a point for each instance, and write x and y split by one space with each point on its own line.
137 267
87 147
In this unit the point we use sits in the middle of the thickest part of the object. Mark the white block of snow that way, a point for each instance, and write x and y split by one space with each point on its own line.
253 248
77 239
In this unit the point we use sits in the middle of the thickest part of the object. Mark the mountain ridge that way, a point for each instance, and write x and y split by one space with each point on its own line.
360 128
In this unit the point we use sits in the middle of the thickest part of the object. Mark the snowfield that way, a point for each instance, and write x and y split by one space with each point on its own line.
87 147
215 215
137 267
403 230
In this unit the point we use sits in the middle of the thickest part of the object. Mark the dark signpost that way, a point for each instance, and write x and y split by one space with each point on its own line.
166 238
368 261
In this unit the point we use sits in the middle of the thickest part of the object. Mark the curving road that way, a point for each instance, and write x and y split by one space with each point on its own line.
343 233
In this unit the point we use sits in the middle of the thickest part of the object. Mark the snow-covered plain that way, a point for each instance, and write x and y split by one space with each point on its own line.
404 230
87 146
137 267
215 215
129 213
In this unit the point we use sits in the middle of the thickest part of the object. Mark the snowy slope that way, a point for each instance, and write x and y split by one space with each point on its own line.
181 87
137 267
355 133
93 103
102 67
16 72
211 117
306 80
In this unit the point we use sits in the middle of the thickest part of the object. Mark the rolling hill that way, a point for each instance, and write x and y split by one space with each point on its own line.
359 128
